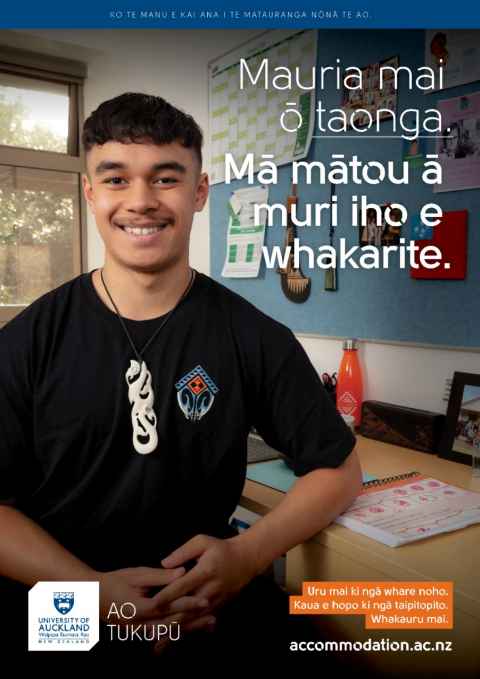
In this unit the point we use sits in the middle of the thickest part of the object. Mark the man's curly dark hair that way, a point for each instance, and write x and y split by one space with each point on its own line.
134 117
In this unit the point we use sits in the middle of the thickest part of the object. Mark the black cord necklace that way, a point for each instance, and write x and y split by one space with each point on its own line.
139 381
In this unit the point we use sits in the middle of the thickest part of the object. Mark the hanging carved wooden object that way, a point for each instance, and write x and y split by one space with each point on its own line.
295 285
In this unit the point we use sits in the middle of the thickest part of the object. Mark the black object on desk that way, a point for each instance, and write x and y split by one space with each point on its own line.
407 427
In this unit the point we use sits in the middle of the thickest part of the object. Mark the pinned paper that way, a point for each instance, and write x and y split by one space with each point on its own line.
245 236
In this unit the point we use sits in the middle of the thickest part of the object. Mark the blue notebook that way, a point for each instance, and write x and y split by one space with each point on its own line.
276 474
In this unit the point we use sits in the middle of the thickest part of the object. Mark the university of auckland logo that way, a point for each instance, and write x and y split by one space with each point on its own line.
63 601
196 393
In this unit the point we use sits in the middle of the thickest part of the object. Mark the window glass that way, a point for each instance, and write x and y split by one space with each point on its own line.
39 217
33 113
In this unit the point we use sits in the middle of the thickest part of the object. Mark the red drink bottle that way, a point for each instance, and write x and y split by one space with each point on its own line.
349 382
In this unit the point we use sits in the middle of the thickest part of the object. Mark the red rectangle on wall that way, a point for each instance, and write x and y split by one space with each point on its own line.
450 236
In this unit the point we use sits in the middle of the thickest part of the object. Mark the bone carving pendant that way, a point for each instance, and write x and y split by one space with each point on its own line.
140 395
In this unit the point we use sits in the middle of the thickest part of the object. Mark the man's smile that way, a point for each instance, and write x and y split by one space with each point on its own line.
143 229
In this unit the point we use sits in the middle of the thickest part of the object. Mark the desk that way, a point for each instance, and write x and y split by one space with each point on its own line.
337 553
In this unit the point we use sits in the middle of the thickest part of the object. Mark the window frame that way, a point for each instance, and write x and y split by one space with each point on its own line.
72 73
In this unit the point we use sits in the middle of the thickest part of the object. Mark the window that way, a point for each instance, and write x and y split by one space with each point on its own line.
42 229
34 113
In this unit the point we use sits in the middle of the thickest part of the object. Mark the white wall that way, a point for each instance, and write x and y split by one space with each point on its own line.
173 64
411 376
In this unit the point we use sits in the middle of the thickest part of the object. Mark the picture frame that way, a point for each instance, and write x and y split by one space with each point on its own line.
371 98
369 233
462 427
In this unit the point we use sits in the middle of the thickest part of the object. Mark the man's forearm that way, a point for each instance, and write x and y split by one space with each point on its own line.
314 502
29 554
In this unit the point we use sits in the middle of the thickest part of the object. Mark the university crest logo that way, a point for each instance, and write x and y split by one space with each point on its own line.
196 393
63 601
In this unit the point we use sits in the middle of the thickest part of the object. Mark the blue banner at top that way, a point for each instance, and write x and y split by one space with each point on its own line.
251 15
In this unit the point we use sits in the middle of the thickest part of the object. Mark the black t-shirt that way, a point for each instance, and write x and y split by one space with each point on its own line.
218 366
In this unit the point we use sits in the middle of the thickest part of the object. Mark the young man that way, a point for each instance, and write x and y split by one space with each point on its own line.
127 395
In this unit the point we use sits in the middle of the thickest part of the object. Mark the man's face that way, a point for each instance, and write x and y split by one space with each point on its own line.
144 197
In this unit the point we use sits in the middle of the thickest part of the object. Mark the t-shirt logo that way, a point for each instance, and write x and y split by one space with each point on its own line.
196 393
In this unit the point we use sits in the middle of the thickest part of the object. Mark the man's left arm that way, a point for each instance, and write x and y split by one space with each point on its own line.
224 567
314 501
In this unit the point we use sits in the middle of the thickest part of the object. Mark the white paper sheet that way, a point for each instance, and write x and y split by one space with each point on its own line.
245 238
